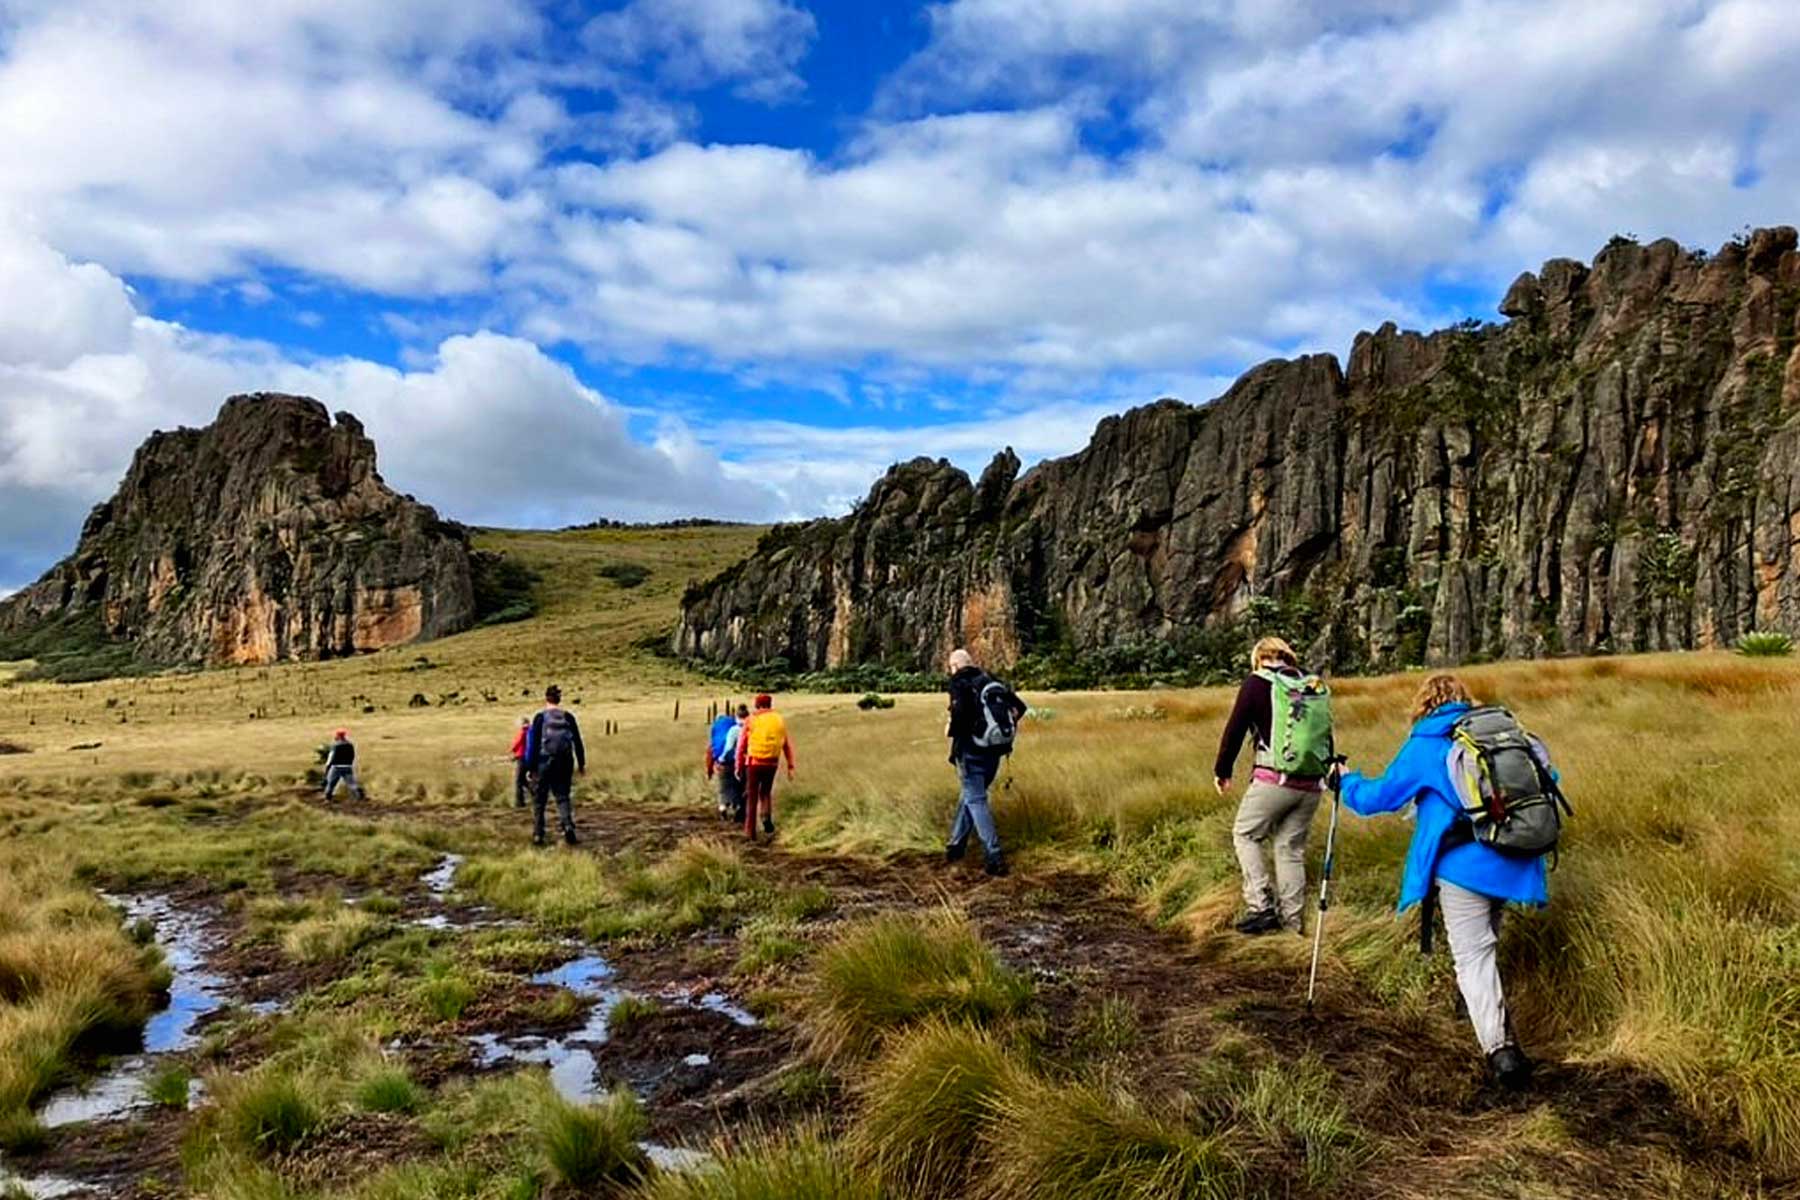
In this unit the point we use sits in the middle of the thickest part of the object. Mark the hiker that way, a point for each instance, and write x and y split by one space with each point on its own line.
721 760
734 776
984 719
521 767
1288 712
340 766
761 747
554 750
1472 881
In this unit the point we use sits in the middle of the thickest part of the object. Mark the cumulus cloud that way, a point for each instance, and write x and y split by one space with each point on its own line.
694 44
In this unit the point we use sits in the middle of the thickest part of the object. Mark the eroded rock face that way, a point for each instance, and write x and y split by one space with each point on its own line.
1616 467
267 535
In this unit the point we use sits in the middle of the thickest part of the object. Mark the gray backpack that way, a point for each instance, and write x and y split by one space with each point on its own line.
1510 799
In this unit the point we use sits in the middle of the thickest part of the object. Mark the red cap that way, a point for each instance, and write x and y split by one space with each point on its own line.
343 733
764 700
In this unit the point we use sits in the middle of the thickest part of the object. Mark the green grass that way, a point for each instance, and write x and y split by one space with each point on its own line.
889 971
331 938
169 1085
630 1012
389 1089
445 990
1085 1141
586 1145
927 1104
1300 1105
266 1110
802 1164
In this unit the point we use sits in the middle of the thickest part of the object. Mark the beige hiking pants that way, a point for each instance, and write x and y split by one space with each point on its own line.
1472 927
1284 815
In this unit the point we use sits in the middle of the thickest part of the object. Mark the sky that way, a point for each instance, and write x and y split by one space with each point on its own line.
658 258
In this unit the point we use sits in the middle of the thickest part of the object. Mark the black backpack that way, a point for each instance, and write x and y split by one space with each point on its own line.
557 736
1510 800
995 702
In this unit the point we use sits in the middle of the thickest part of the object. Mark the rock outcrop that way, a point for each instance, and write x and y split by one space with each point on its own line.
1614 467
267 535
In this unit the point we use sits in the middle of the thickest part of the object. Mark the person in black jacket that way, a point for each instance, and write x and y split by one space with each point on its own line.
976 764
554 750
340 766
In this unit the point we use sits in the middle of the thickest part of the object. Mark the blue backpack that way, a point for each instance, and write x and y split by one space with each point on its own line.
720 728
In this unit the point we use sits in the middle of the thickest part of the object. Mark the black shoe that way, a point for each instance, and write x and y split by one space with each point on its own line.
769 826
569 838
1259 922
1510 1067
995 866
537 839
954 852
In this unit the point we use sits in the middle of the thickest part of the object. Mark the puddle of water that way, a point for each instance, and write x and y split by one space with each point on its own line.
674 1158
194 992
441 878
580 975
47 1187
697 1060
573 1069
720 1003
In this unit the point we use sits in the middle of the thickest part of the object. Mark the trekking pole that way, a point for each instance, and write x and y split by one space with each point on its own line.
1312 979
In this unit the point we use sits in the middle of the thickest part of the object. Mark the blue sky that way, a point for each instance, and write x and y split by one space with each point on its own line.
650 258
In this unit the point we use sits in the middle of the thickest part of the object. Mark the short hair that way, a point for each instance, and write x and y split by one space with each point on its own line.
1272 648
765 700
743 710
1437 691
553 694
525 720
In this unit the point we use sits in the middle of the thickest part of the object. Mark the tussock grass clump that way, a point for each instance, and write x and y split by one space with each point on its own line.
630 1012
1082 1141
268 1110
389 1089
331 938
445 991
803 1165
1299 1104
22 1133
585 1145
927 1103
892 970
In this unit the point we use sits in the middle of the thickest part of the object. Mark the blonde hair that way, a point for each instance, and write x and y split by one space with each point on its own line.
1272 648
1437 691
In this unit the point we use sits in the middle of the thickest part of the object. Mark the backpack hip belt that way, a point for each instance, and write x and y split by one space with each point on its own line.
1298 783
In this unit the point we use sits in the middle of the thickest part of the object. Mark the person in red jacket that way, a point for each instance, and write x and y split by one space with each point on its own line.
761 747
520 769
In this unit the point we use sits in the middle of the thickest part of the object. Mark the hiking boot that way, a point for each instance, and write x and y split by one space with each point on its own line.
1259 922
569 838
537 839
1510 1068
995 865
954 852
769 826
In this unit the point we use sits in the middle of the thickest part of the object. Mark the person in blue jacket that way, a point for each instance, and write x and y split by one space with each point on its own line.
1474 882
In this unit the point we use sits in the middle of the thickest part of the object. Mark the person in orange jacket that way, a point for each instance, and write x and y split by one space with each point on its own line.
761 747
520 769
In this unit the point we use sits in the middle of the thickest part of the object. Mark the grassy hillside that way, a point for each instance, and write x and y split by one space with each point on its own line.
1086 1027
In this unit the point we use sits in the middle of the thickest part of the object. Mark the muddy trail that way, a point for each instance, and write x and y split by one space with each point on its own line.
702 1064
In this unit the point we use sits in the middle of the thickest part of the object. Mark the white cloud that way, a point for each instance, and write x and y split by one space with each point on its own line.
491 430
694 44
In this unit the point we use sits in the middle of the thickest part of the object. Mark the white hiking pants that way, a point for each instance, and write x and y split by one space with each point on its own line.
1283 815
1472 926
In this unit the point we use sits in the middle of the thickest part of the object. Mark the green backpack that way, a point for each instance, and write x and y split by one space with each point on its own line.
1300 725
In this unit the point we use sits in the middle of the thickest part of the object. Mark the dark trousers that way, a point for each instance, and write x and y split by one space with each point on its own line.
519 782
554 778
759 793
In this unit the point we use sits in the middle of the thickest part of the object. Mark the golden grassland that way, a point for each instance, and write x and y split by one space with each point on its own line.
1672 943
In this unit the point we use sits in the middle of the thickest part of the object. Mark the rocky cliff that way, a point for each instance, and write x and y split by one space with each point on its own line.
1616 466
267 535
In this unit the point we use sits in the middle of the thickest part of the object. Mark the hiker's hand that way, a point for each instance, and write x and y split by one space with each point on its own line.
790 773
1222 786
1334 778
582 769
